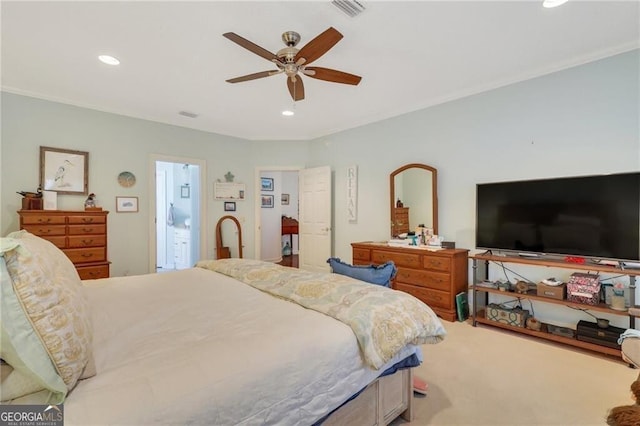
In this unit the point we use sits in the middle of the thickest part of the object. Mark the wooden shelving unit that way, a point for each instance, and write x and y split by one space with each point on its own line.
478 314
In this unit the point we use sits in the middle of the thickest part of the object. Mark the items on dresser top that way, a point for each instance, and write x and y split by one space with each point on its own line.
82 236
435 277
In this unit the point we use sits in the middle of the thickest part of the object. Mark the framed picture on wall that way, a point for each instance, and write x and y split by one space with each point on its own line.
64 171
229 206
267 201
126 204
285 199
185 191
266 184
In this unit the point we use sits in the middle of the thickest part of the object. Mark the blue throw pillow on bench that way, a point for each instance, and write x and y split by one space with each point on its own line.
380 275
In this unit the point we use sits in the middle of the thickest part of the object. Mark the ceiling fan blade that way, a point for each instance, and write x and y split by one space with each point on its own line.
332 75
254 76
252 47
318 46
296 88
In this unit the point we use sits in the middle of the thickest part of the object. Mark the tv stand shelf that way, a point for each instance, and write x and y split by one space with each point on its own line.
481 267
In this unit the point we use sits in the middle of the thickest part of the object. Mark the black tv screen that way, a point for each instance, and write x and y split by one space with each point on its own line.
588 216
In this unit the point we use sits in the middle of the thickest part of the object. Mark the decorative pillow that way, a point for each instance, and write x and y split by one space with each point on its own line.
21 348
48 289
380 275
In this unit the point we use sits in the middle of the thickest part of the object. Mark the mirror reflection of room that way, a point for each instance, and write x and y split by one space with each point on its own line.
414 203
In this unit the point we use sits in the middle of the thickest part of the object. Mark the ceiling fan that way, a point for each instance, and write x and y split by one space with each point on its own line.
294 62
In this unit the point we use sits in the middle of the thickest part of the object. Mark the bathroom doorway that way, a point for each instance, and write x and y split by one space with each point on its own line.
178 234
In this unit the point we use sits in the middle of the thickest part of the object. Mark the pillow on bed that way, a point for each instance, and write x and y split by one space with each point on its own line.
380 275
48 308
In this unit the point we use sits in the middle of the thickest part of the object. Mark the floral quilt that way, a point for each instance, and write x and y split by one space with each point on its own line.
383 320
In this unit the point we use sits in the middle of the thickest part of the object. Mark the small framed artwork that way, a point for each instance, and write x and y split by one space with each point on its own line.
127 204
64 171
185 191
285 199
267 201
266 184
229 206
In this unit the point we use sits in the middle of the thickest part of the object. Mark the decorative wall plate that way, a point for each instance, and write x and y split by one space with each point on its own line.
126 179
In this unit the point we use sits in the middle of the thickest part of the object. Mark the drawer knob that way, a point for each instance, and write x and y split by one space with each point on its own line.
87 254
45 231
87 229
87 219
87 242
47 220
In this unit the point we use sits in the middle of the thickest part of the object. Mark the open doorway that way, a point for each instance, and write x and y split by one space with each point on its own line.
177 238
313 207
277 237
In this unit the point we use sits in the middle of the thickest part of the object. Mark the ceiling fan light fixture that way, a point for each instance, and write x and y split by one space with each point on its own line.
553 3
109 60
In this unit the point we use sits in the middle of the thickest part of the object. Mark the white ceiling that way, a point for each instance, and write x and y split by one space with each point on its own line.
411 55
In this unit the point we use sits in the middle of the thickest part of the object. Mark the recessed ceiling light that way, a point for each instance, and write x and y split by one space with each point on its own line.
553 3
109 60
287 113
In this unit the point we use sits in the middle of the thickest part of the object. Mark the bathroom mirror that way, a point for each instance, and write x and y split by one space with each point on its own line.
413 187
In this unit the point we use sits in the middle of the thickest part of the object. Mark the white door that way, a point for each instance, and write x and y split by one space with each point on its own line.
315 218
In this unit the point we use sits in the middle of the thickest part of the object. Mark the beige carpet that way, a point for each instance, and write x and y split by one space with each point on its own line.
486 376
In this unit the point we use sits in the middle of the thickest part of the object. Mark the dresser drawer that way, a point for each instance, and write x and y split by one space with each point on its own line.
58 241
422 278
410 260
87 219
437 263
42 219
87 241
80 255
433 298
93 272
361 255
87 229
45 230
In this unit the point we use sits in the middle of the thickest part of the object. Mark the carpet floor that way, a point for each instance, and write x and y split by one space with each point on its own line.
487 376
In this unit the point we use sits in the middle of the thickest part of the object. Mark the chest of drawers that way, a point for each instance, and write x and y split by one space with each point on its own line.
81 235
435 277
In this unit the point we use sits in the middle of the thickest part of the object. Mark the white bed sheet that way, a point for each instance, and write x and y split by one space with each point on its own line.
197 347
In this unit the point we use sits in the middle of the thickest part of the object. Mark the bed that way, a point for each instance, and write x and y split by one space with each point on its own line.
228 342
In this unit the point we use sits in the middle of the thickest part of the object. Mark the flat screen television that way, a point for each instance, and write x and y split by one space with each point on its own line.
587 216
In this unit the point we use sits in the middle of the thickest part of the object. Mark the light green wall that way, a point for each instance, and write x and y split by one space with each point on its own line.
116 143
579 121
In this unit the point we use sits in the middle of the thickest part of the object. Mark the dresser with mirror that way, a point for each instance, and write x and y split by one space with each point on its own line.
434 276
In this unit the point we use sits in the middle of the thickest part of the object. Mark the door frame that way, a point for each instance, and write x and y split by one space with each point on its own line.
204 225
258 202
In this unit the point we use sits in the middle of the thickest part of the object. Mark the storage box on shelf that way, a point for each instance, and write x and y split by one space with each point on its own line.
435 277
554 292
81 235
481 294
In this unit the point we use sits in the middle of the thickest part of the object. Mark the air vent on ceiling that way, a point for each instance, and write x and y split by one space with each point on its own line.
188 114
352 8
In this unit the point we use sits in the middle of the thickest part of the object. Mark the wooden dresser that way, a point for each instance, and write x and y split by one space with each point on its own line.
435 277
81 235
400 220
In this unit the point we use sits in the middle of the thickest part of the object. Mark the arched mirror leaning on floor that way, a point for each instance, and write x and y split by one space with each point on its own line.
222 251
413 198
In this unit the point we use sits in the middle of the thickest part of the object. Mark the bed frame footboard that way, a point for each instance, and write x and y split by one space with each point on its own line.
380 403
